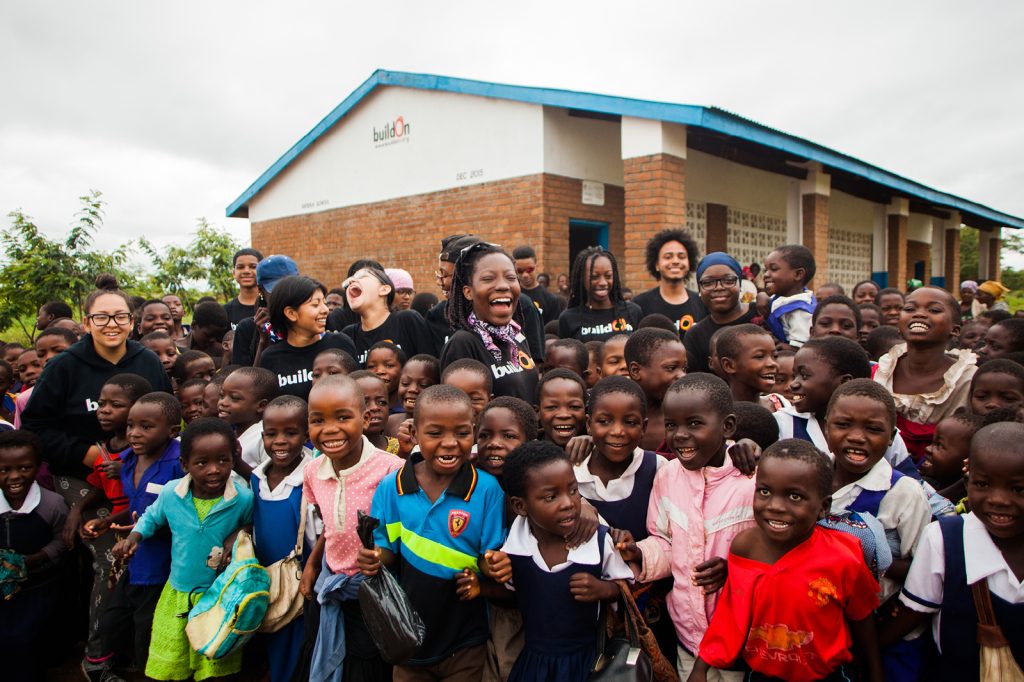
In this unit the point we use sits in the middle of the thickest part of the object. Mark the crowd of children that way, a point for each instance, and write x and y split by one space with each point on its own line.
782 484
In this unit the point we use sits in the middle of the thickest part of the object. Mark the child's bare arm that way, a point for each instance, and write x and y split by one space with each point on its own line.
865 643
312 569
898 570
586 588
699 672
896 628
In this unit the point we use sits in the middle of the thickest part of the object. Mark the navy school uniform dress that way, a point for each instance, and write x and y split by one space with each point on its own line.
275 523
561 633
630 513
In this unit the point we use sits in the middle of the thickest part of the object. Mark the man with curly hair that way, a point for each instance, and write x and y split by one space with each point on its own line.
670 255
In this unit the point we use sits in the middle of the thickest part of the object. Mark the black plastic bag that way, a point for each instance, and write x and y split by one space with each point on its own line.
393 623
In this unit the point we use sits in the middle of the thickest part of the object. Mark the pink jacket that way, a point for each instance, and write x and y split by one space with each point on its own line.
693 516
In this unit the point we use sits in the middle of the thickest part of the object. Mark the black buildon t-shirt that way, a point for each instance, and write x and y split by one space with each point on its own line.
518 382
697 341
548 305
405 328
586 324
684 315
293 366
238 311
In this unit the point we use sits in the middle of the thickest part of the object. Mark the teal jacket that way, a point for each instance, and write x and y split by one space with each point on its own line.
192 539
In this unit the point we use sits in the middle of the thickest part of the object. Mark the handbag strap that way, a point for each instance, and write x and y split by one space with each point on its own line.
303 513
989 632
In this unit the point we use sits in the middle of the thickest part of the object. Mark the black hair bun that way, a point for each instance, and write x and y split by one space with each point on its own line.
107 282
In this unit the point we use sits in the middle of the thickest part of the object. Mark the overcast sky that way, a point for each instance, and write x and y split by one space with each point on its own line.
173 109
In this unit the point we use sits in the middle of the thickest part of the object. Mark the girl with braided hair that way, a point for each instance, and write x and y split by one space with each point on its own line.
597 310
483 309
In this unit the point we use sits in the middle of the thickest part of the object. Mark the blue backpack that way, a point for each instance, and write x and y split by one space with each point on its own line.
232 609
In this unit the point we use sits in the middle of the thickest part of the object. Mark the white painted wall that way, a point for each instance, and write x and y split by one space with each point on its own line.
850 213
453 140
919 228
584 148
714 180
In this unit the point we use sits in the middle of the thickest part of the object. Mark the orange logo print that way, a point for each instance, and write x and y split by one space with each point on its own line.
525 361
780 636
619 325
821 590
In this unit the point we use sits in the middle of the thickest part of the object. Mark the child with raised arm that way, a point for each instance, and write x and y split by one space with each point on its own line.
441 522
204 512
798 596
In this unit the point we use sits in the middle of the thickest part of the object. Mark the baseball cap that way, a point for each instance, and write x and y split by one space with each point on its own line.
400 278
274 268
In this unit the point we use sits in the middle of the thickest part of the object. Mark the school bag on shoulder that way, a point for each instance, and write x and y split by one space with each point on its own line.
285 576
232 608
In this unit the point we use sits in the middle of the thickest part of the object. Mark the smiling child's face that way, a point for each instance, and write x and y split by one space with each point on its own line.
562 410
695 433
788 500
995 491
859 430
114 405
616 423
499 434
18 467
444 431
192 401
209 464
284 433
375 395
337 419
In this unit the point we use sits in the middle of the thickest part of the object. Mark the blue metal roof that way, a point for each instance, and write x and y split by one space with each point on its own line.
710 118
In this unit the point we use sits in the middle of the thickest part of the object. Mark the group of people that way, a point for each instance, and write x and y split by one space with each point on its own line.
788 484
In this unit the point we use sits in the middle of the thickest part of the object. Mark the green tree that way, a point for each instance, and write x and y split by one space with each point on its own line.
206 258
35 269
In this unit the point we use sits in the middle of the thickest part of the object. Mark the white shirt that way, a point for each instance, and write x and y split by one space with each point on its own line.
796 323
251 440
32 499
593 488
904 508
926 579
284 489
522 542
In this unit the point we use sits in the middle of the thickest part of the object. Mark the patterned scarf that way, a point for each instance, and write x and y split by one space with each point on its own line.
488 333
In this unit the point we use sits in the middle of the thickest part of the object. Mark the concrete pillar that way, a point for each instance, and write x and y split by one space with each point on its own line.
989 254
995 252
794 209
814 223
654 180
898 214
938 264
879 248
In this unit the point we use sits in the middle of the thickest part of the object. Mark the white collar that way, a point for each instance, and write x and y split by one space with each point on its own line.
182 488
981 555
522 542
32 499
584 475
325 471
878 477
294 479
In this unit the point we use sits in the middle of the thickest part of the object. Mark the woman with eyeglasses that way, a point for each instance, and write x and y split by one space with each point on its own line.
483 308
596 310
65 399
369 293
718 280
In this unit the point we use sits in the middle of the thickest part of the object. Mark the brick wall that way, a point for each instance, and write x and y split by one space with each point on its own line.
562 203
406 232
918 251
655 199
815 235
953 261
897 251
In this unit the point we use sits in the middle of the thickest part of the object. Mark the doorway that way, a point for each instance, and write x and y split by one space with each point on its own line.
584 234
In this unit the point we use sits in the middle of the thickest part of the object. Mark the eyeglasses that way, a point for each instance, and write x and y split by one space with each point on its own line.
102 319
724 282
528 270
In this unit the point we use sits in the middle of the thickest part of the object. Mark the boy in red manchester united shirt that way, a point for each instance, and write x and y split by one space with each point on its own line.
797 594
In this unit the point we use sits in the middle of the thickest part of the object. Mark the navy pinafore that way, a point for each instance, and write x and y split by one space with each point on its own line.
561 633
631 513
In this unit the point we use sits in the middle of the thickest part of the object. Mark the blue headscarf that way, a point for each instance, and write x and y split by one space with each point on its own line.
719 258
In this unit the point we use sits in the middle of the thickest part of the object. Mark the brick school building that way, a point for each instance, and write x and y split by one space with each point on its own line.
409 158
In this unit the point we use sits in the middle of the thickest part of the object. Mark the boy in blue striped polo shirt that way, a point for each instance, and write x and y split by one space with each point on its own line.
441 522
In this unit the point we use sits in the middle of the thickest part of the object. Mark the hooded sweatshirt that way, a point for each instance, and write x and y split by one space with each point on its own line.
62 409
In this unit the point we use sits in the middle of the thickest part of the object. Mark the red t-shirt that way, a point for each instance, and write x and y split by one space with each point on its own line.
788 619
112 487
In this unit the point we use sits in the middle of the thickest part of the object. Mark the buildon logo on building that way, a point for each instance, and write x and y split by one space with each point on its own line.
393 132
